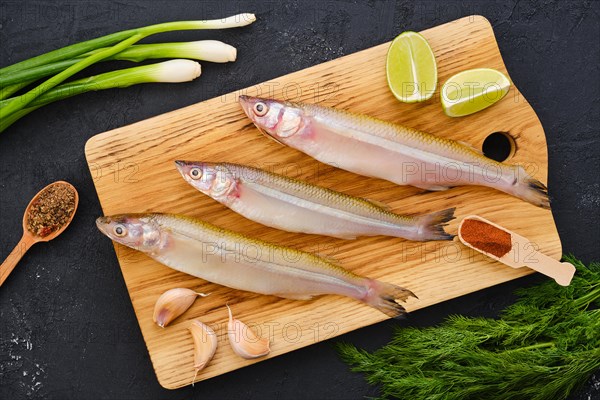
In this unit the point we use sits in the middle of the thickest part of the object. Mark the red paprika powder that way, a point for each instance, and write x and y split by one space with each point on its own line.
486 237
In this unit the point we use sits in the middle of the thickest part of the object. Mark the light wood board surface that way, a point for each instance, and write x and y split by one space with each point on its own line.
133 171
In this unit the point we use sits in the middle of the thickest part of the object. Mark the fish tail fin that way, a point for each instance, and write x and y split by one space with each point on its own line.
529 189
384 296
431 226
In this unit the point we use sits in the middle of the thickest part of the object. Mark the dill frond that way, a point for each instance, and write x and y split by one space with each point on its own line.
543 347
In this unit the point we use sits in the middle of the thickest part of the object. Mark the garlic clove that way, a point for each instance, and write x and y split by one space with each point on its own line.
172 303
205 345
244 342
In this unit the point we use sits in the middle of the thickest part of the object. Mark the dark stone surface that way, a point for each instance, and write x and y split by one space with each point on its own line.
68 329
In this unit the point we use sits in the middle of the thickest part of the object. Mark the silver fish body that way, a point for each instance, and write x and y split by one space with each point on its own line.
296 206
380 149
236 261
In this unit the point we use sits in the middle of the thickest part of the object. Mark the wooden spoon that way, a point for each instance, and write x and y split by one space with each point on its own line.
29 238
524 253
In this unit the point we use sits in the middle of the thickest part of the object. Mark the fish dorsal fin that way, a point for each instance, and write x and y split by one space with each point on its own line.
380 204
470 146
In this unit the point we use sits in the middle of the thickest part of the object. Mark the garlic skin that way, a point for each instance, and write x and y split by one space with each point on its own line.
205 345
172 303
243 341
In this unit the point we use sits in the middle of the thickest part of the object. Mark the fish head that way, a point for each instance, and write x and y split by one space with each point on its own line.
212 179
280 120
138 231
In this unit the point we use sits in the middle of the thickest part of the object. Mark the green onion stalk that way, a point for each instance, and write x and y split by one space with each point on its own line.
172 71
78 49
202 50
18 103
9 90
96 51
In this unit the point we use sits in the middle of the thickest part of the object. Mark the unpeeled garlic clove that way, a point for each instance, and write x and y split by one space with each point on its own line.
205 345
172 303
243 341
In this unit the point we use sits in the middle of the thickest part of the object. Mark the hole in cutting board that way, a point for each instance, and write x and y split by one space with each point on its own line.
499 146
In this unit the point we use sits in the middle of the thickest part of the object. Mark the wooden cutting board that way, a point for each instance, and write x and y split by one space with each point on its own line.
133 171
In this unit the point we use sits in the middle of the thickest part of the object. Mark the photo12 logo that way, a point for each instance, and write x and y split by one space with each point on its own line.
316 92
276 332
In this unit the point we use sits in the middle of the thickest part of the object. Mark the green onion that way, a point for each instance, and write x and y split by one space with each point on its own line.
17 103
172 71
36 73
77 49
74 58
22 101
202 50
11 89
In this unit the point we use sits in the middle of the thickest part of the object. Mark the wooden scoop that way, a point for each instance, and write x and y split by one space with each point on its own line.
523 253
29 238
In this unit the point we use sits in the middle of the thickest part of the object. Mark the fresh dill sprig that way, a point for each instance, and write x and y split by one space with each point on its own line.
543 347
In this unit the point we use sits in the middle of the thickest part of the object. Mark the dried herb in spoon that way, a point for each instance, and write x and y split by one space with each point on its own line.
51 210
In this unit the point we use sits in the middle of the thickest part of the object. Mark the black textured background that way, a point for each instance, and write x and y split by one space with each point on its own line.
67 325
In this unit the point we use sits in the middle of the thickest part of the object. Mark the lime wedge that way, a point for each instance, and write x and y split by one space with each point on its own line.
473 90
411 68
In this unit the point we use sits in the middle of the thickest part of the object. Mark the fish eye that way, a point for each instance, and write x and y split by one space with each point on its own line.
196 173
120 230
260 109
